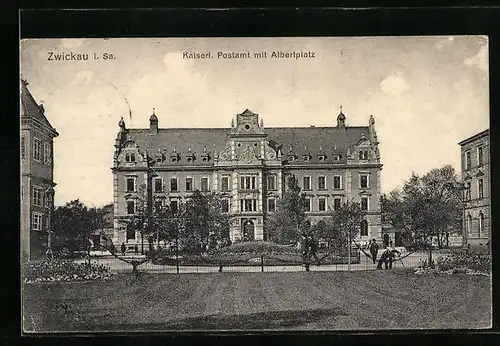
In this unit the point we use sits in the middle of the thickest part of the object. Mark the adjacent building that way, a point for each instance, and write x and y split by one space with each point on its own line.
476 178
37 182
248 164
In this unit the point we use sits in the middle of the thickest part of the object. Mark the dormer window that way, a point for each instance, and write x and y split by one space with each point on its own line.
204 158
130 157
190 159
190 156
322 157
291 158
336 157
363 155
306 158
175 157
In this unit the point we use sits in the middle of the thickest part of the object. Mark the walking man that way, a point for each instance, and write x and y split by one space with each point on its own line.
373 247
123 249
313 248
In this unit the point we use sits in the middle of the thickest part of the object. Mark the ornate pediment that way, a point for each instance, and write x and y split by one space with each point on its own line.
246 153
225 154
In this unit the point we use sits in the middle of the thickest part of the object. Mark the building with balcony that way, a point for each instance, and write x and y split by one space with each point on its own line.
248 164
37 177
476 177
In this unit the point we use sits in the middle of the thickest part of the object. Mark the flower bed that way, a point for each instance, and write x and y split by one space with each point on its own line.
52 270
458 263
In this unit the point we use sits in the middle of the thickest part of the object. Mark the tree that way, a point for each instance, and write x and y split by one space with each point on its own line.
288 222
426 207
73 224
204 222
345 224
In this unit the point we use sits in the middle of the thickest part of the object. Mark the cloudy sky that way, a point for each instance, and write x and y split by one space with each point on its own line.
426 94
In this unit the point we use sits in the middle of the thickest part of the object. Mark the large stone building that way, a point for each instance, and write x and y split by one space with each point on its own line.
37 183
248 164
476 177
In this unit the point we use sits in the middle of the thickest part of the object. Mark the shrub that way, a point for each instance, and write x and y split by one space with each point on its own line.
50 270
459 262
259 248
467 260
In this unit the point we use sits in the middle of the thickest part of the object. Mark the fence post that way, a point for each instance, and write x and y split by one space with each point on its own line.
262 263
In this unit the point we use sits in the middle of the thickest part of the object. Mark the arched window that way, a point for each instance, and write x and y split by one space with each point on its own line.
469 223
481 223
127 157
364 228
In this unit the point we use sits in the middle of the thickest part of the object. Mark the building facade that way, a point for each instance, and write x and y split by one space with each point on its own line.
248 164
37 178
476 177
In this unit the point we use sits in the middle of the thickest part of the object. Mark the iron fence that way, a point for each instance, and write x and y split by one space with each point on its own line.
257 263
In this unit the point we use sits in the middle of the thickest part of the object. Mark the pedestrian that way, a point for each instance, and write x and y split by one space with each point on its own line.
313 248
136 249
123 249
373 247
387 258
303 247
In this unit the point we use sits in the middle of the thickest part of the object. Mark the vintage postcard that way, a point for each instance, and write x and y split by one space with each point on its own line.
249 184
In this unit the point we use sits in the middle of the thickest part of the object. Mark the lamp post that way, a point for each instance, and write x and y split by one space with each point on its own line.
49 193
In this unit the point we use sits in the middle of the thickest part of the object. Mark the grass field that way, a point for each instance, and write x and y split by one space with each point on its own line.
248 301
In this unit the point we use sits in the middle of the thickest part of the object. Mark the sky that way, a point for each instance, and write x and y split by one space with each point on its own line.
425 93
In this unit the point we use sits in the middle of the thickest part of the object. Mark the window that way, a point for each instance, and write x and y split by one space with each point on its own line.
47 153
271 182
363 181
291 158
322 157
204 184
36 221
159 158
225 183
130 184
130 233
174 205
363 155
364 203
173 184
467 160
322 183
481 223
467 191
130 157
336 157
130 207
37 149
322 204
158 185
271 205
364 228
336 203
175 158
307 182
248 182
337 182
248 205
307 204
306 158
479 156
480 191
23 147
189 184
190 158
158 205
225 205
37 196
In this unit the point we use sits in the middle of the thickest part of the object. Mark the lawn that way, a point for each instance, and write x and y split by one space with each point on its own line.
247 301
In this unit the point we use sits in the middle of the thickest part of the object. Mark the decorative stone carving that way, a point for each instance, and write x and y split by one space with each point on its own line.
247 154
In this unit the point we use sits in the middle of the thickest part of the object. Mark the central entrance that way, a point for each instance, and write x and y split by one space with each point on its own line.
248 230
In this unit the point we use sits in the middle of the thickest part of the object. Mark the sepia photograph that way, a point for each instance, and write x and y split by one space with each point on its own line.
255 184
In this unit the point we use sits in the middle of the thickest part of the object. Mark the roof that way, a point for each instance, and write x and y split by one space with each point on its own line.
301 140
475 137
29 107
